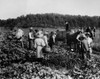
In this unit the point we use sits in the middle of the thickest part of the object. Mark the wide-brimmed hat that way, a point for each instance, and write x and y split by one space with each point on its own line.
39 34
46 32
31 28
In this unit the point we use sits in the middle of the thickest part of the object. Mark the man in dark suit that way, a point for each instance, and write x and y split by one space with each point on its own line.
67 26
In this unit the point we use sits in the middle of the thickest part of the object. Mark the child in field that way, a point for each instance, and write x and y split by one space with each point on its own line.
90 41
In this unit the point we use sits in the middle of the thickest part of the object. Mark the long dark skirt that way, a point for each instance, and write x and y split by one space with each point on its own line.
30 44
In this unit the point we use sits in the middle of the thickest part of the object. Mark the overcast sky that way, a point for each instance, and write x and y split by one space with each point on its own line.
15 8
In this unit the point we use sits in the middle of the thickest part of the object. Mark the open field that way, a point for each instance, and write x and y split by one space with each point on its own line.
26 30
20 63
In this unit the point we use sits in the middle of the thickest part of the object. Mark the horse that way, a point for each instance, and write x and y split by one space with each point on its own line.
68 37
71 40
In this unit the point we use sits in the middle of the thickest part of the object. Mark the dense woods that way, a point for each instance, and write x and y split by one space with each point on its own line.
51 20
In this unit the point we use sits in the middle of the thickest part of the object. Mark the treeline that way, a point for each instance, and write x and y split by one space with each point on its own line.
51 20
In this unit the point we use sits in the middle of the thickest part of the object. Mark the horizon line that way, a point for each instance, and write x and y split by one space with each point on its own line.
50 13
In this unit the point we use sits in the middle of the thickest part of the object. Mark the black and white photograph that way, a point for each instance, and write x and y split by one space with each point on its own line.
49 39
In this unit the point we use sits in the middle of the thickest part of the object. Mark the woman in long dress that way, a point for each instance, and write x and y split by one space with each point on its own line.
39 44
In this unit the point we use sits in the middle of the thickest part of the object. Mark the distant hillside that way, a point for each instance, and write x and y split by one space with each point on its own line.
51 20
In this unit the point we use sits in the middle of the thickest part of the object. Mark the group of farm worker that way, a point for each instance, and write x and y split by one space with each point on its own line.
39 39
85 37
86 42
